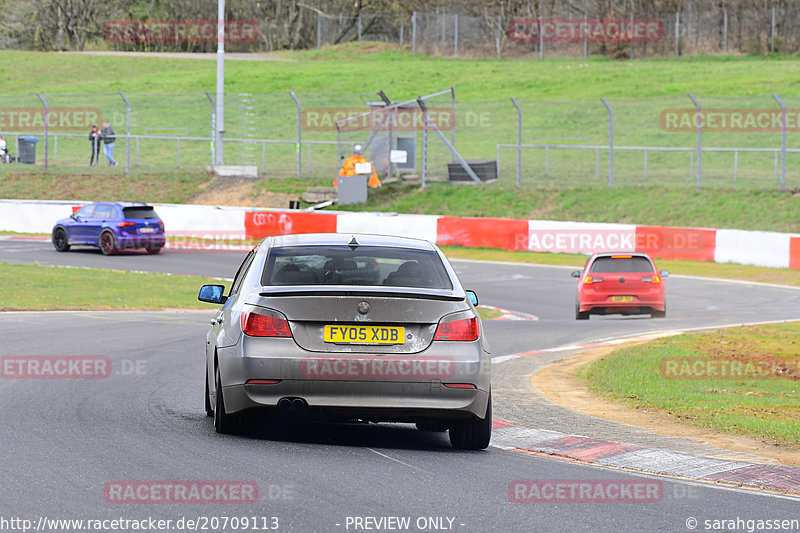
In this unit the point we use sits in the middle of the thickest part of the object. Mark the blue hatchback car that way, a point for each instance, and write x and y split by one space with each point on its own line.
112 227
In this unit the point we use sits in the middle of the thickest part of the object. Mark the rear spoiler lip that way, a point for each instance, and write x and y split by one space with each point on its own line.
448 297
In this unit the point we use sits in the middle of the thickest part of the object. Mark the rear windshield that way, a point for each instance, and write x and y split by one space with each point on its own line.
139 212
364 266
621 264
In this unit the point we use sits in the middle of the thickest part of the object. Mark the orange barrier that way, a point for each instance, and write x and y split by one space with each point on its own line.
794 253
260 224
676 243
505 233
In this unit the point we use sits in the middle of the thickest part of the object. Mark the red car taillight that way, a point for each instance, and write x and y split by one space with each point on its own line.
655 278
126 224
257 325
592 279
465 329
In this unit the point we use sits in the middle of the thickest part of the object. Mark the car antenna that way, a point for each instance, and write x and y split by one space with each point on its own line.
353 244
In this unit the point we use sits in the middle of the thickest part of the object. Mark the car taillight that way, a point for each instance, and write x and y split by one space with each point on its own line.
655 278
257 325
592 279
460 385
160 224
465 329
126 224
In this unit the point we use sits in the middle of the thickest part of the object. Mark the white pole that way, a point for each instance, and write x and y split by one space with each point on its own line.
220 80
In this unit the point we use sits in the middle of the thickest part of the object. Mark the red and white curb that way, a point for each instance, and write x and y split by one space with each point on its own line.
510 315
651 460
506 435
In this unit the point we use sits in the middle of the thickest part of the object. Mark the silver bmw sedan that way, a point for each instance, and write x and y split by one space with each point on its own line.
349 327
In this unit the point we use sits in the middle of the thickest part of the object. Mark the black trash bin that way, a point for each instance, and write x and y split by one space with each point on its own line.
27 150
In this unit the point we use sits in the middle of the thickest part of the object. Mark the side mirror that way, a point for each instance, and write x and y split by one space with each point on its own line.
212 294
73 216
473 298
576 273
664 273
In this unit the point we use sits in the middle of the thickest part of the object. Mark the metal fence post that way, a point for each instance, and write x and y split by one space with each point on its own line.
319 30
453 107
725 30
677 33
424 156
519 141
772 36
610 142
46 120
585 38
498 40
359 27
414 33
127 132
699 124
402 34
783 140
541 39
299 135
455 35
213 129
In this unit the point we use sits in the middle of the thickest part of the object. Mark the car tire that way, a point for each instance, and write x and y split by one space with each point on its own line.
660 314
60 240
223 422
432 427
154 250
209 409
473 433
581 315
108 244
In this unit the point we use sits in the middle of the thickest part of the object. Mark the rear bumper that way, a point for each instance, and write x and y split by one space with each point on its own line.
378 401
602 303
376 387
130 242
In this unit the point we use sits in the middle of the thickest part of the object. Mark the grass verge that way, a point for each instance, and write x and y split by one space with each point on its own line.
759 396
763 210
30 288
747 209
46 288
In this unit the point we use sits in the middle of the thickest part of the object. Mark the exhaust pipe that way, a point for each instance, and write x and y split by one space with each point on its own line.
299 404
284 404
295 404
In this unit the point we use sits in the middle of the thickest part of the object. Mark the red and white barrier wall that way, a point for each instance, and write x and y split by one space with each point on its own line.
770 249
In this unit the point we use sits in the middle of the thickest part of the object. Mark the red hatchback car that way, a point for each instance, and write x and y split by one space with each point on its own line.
620 283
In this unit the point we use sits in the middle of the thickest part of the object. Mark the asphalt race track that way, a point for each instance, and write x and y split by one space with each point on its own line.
66 441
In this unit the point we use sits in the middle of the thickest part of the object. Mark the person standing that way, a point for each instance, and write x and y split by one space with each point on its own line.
95 138
109 139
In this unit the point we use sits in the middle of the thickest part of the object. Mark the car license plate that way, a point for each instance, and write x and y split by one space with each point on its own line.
622 299
363 334
147 230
